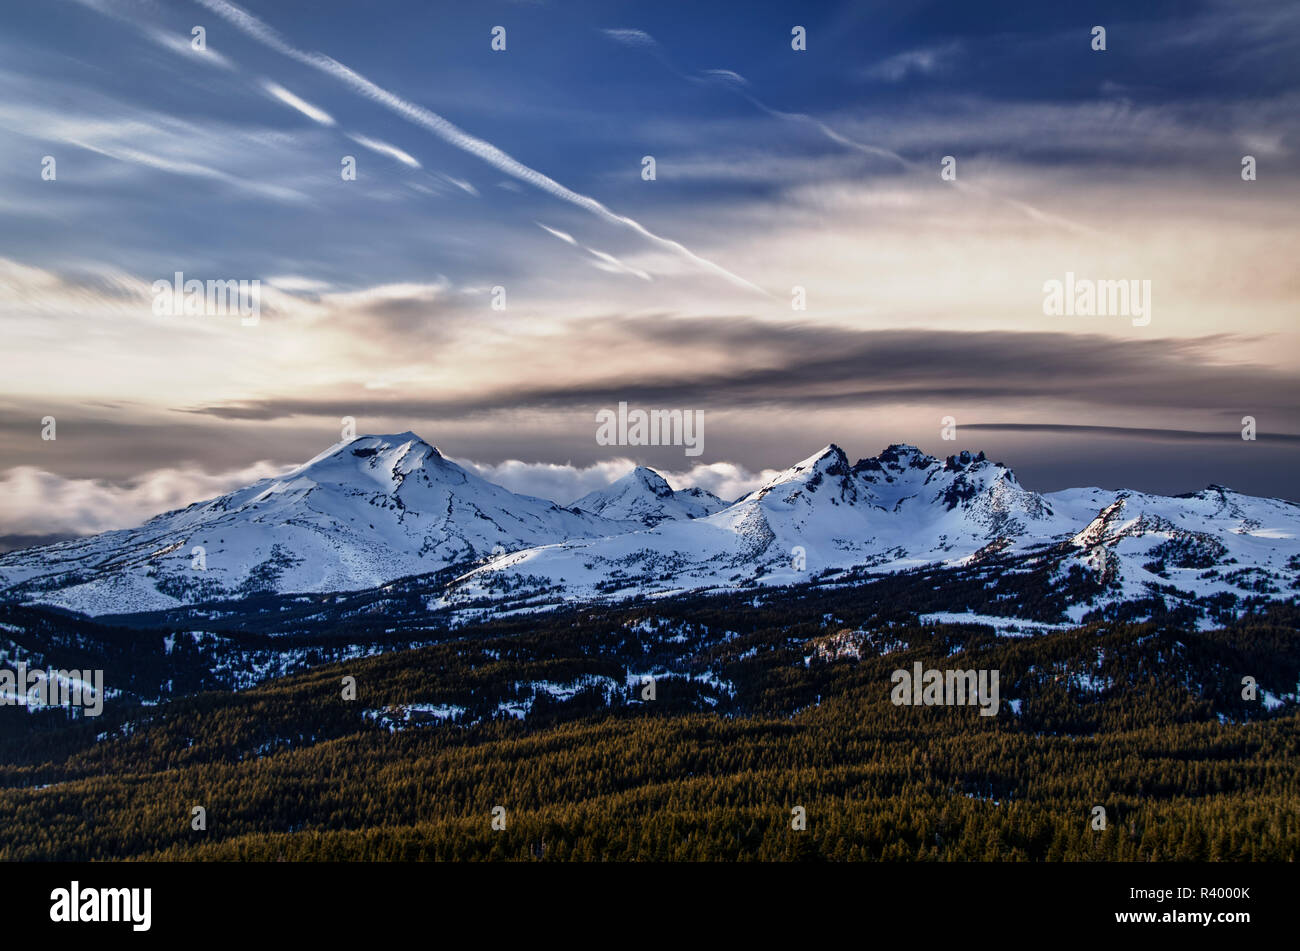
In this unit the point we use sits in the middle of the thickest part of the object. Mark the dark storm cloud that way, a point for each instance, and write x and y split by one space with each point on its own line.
1132 432
119 445
807 366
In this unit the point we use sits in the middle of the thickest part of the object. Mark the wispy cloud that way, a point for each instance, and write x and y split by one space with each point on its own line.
314 113
383 148
143 137
631 37
456 136
919 62
604 260
183 46
123 153
737 84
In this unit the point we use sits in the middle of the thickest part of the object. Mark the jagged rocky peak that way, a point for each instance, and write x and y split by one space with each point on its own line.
900 457
905 455
964 460
902 473
830 460
827 467
893 460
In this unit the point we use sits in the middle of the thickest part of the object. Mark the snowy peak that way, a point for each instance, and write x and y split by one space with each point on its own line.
644 496
966 460
830 460
897 457
898 510
902 473
904 509
1107 524
394 467
401 444
363 513
378 508
901 461
386 460
824 474
703 497
652 481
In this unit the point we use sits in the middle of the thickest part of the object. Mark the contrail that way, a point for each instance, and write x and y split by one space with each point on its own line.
737 83
607 261
383 148
834 136
456 136
289 99
826 130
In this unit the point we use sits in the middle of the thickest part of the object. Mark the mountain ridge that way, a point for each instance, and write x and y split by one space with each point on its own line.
370 510
644 496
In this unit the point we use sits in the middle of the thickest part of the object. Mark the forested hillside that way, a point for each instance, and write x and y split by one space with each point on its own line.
758 709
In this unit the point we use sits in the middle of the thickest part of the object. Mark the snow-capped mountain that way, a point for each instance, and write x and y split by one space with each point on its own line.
360 514
1211 544
900 509
379 508
905 509
645 497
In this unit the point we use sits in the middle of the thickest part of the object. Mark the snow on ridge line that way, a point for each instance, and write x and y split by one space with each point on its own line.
376 508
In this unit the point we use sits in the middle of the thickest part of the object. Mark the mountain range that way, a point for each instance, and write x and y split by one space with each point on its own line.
370 511
645 496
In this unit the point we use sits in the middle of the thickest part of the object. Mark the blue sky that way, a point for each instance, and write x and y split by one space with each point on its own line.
522 169
569 101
